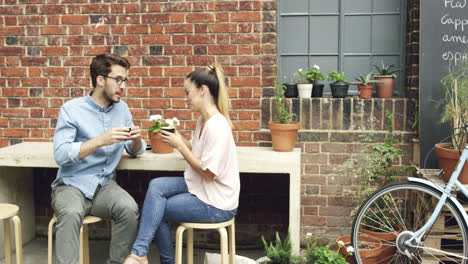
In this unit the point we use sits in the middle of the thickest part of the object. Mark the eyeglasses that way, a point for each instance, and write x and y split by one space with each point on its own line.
119 80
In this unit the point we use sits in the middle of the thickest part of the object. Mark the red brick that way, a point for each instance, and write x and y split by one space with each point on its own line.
129 19
222 49
36 123
152 82
12 132
179 28
13 71
245 38
199 17
313 221
35 82
57 92
95 8
156 29
49 51
137 92
37 133
177 71
156 39
245 17
3 122
200 60
31 20
53 30
11 10
52 9
14 92
156 103
245 103
55 71
200 39
3 142
180 114
37 113
310 210
76 61
12 112
174 92
11 51
137 29
75 19
35 102
51 112
12 61
222 27
245 81
247 125
315 158
130 40
177 17
96 50
174 50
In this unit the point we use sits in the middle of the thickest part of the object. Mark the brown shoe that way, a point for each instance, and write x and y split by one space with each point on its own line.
134 259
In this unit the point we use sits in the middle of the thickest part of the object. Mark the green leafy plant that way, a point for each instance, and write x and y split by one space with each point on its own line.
311 75
280 252
336 76
455 102
323 255
159 122
365 80
374 166
386 70
280 104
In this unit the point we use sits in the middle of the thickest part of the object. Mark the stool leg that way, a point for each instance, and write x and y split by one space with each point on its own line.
50 240
81 246
189 245
179 239
18 240
85 244
224 247
232 243
6 240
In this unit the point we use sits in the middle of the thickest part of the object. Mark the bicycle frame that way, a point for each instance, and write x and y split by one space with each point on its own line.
446 194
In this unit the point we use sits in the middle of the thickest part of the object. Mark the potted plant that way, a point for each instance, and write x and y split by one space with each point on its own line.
291 88
280 252
387 77
455 111
374 167
323 255
284 130
157 145
339 86
316 77
305 86
364 84
369 255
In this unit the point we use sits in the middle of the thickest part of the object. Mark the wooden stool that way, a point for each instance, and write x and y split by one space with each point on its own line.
84 242
8 212
223 237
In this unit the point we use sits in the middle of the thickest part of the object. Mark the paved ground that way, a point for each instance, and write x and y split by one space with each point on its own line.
35 252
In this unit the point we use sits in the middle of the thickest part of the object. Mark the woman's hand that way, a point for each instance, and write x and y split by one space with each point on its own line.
174 140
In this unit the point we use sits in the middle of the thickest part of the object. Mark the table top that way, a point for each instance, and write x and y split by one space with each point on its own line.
251 159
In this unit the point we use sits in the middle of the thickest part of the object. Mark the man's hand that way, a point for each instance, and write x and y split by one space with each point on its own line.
114 135
135 133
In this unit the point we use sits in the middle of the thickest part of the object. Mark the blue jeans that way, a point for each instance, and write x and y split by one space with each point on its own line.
168 200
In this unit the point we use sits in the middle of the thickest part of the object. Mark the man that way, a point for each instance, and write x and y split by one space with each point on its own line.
89 139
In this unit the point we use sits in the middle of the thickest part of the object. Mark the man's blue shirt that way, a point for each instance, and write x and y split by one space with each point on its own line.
80 120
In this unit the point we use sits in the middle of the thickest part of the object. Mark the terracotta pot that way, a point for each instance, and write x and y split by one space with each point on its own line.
388 244
283 136
385 89
448 158
157 145
365 91
368 256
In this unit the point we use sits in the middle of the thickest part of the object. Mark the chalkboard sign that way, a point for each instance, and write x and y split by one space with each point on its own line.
443 43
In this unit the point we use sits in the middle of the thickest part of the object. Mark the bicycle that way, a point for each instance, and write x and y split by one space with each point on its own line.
425 223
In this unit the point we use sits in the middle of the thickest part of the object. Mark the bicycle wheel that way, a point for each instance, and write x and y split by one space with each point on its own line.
394 212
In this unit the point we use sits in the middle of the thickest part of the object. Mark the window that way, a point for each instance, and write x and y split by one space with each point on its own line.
344 35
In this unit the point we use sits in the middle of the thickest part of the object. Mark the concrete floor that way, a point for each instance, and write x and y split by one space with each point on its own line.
35 252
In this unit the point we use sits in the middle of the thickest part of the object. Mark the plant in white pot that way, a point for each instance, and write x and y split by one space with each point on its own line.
387 75
304 86
283 130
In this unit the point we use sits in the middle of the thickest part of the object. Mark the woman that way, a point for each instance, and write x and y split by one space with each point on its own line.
209 190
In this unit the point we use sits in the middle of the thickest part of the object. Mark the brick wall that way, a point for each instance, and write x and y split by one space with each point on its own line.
46 47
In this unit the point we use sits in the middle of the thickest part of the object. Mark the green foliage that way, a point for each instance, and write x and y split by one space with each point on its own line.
336 76
280 105
281 252
386 70
365 80
311 75
322 255
455 102
374 166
